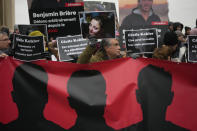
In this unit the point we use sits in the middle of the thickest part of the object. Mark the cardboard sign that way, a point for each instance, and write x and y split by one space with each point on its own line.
141 41
70 47
28 48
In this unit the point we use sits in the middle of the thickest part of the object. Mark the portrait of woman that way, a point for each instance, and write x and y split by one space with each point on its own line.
95 28
97 25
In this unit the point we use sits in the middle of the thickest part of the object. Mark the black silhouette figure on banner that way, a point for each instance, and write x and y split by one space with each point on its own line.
155 95
40 4
30 95
87 96
1 127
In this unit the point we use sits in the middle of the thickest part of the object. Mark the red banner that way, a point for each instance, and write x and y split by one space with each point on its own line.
122 94
74 4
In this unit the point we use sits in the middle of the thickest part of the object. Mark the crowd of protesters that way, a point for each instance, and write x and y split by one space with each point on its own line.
174 46
175 43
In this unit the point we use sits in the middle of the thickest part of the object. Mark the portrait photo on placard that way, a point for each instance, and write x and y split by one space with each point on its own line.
143 14
102 6
29 29
98 24
157 10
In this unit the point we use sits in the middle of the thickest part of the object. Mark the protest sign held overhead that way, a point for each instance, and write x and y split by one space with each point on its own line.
141 41
97 24
70 47
28 48
102 6
157 9
142 14
61 19
192 48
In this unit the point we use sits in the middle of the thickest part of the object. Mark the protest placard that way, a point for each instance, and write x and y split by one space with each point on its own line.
97 24
61 21
27 29
70 47
134 16
192 48
141 41
28 48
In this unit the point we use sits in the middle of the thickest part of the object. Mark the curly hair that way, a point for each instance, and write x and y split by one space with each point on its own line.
162 53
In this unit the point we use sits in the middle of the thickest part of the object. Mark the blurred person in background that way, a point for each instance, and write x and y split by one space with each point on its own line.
4 44
177 26
194 30
179 54
53 49
170 41
5 29
170 26
163 53
187 31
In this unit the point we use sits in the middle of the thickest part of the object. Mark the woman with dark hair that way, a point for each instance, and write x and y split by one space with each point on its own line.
95 29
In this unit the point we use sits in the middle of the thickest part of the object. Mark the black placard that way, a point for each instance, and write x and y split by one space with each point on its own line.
161 30
60 22
28 48
70 47
141 41
192 48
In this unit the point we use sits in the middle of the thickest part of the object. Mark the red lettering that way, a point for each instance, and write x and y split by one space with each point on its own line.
52 30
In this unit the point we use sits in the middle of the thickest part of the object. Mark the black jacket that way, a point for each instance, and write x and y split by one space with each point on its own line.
136 21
